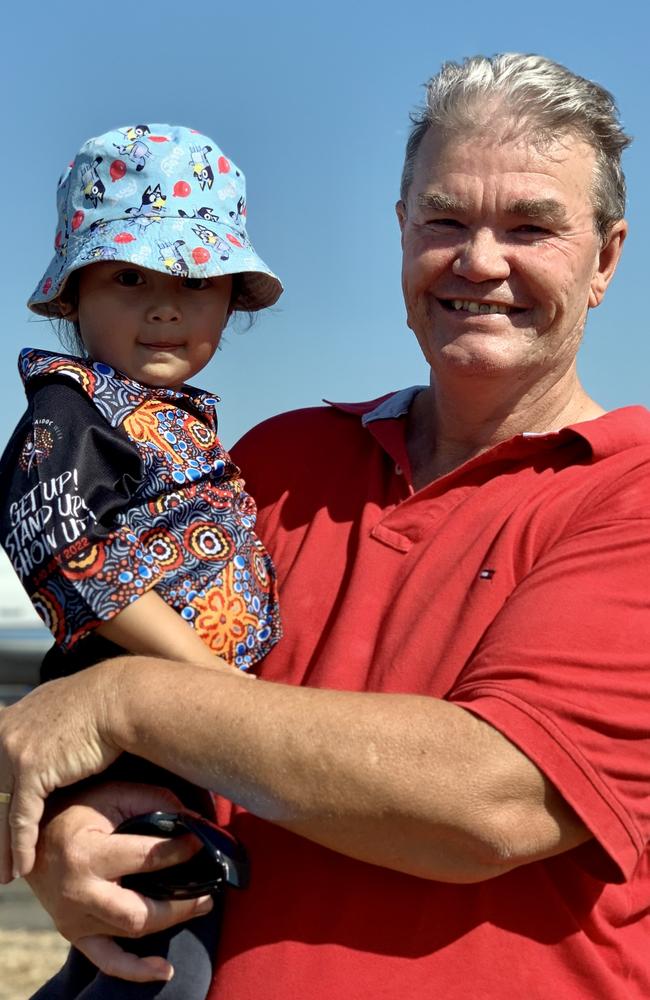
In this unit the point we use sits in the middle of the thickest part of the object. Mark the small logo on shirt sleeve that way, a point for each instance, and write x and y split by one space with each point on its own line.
39 444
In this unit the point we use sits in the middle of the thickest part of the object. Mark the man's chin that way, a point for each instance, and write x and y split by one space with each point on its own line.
476 354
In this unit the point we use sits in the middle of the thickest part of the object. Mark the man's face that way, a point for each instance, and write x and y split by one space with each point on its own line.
501 259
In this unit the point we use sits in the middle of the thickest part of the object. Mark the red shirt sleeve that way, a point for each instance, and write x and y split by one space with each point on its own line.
563 672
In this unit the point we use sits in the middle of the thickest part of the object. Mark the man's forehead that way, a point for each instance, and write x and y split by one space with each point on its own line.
509 133
537 176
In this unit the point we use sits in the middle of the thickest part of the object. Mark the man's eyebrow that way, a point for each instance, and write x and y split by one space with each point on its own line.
538 208
440 202
530 208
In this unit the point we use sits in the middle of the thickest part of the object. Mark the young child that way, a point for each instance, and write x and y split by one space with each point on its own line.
123 515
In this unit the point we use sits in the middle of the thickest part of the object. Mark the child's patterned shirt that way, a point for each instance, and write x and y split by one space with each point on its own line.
112 488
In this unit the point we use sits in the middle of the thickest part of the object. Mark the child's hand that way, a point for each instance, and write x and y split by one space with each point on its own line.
222 664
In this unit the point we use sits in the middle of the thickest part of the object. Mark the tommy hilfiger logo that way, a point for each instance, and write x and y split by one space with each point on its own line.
486 574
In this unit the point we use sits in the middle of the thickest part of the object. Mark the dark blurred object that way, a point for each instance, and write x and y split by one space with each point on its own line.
220 862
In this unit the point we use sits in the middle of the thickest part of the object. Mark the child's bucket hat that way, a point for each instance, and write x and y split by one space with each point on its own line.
161 196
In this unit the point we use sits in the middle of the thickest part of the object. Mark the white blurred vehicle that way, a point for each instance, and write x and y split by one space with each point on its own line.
23 636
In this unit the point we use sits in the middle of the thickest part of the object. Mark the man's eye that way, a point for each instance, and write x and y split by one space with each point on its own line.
532 230
196 284
130 278
445 223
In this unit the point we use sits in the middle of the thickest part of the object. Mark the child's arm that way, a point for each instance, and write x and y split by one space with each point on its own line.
151 627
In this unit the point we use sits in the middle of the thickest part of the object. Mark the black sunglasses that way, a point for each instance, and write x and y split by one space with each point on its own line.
221 861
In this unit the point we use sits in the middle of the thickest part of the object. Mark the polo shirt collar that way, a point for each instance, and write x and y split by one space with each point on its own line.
626 427
392 407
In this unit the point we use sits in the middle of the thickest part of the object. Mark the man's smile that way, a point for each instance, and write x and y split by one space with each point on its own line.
476 306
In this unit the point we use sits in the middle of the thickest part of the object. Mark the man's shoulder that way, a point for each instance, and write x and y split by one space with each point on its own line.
287 421
297 427
304 444
617 431
616 480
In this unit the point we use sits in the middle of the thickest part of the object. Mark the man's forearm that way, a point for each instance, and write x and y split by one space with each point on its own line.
403 781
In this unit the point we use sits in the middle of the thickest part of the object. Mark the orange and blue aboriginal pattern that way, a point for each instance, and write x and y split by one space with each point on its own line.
179 518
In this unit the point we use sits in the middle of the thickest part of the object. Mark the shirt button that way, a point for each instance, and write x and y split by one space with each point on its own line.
399 471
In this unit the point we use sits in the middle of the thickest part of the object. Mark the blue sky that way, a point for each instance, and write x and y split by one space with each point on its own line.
312 101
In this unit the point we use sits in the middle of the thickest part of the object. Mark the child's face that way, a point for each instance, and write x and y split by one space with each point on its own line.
158 329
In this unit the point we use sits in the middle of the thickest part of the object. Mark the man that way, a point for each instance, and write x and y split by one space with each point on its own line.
442 786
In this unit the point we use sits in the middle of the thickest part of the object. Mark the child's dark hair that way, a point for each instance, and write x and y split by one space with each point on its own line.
67 330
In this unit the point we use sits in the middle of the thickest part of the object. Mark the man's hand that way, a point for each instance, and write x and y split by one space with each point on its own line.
53 737
78 867
65 731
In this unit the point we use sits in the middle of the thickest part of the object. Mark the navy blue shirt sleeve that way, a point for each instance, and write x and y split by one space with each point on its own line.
66 474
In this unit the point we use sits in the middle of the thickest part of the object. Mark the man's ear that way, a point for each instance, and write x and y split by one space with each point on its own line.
608 258
400 209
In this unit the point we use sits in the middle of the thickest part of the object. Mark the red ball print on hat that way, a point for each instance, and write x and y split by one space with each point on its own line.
200 255
223 165
181 189
124 238
77 219
117 169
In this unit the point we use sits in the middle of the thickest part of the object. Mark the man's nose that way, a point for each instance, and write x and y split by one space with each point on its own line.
481 258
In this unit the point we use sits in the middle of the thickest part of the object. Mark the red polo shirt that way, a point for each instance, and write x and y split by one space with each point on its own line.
516 587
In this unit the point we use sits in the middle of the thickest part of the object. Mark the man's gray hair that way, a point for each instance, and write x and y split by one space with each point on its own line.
543 100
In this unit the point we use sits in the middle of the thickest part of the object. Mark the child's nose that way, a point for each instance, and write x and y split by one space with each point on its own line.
163 312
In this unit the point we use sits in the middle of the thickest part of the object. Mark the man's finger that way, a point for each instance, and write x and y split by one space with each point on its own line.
128 914
114 961
5 842
25 812
125 853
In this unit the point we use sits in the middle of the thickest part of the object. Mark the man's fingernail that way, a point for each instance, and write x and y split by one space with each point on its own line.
163 973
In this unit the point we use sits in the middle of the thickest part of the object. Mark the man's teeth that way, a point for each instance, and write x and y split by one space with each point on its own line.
480 307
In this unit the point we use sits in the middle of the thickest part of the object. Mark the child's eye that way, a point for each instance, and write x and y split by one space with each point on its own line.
129 277
196 284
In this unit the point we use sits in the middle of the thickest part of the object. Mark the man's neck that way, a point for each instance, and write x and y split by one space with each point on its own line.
448 428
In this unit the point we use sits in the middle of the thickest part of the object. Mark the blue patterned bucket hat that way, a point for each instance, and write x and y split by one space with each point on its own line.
161 196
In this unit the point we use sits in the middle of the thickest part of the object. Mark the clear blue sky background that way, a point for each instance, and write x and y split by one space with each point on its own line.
312 101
